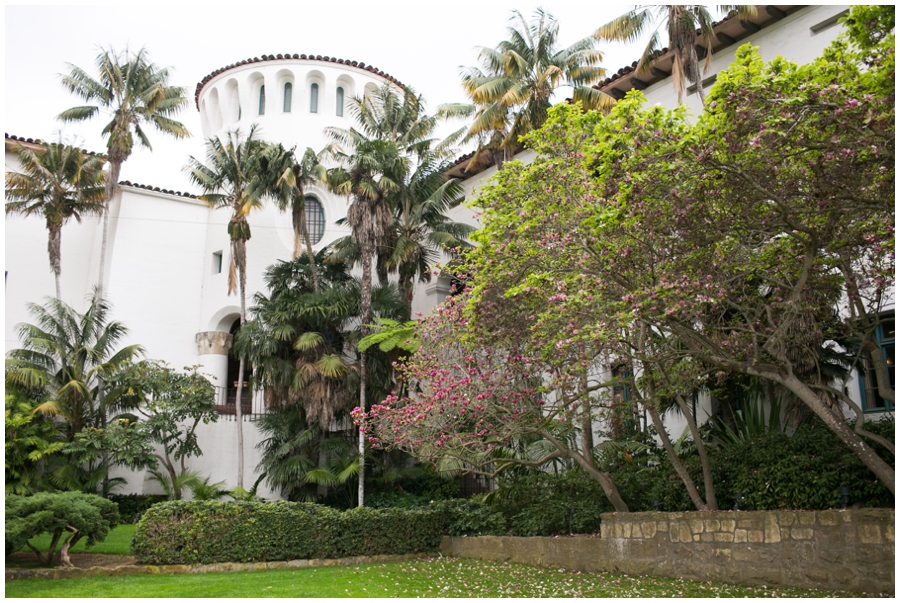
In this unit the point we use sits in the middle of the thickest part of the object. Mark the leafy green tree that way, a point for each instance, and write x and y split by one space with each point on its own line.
73 514
136 94
719 241
170 405
688 27
511 93
94 451
31 442
232 179
58 182
63 358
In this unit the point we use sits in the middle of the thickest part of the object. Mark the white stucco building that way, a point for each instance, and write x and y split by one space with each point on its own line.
168 252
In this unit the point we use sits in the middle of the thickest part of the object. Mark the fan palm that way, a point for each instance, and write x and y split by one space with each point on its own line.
136 93
232 179
57 182
687 26
511 93
66 356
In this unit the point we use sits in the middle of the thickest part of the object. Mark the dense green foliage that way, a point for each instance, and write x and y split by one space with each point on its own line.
208 532
31 441
135 504
772 471
74 514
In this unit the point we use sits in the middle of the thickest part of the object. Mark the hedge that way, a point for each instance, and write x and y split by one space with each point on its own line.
184 532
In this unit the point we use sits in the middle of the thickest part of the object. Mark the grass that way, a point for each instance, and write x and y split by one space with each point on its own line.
423 578
117 542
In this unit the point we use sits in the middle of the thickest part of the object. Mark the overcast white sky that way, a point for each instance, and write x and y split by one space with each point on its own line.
422 44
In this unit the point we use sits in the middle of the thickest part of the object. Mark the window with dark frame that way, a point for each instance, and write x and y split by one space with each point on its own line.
868 382
315 219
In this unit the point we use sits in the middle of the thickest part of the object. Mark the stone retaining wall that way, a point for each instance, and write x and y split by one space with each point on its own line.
61 573
838 550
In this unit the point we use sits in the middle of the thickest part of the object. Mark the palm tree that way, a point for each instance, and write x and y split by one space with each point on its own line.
367 174
420 228
135 93
511 93
291 178
65 357
231 179
687 26
298 339
57 182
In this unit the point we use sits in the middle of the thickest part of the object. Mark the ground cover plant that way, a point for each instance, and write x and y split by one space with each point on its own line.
433 577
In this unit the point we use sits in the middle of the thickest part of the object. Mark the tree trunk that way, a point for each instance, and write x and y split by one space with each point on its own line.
69 542
112 182
238 413
54 248
365 307
680 469
708 484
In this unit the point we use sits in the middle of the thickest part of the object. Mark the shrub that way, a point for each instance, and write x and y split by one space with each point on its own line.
211 531
468 517
81 515
135 504
536 503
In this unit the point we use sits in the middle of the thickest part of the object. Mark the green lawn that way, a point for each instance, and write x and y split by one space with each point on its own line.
424 578
118 542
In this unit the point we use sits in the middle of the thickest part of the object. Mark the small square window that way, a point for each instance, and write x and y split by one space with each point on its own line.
217 262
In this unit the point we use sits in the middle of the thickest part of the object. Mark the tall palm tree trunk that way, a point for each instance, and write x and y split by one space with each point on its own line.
239 254
112 181
54 247
365 304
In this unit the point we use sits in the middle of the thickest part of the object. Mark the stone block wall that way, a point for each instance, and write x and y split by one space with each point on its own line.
841 549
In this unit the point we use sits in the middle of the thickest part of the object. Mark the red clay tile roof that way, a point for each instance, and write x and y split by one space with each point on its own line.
37 141
277 57
156 189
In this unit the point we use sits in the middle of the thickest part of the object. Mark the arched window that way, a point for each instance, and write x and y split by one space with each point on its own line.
288 96
340 102
314 98
239 113
262 100
315 218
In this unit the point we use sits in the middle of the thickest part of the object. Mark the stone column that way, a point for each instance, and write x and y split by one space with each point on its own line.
212 350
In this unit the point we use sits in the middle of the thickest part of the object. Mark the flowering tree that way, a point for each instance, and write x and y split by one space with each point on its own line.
480 406
749 242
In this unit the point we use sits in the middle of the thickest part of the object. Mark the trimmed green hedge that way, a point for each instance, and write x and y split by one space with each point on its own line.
212 532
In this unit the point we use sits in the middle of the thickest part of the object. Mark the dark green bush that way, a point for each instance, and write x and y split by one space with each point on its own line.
211 531
468 517
773 471
397 499
536 503
134 504
803 471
